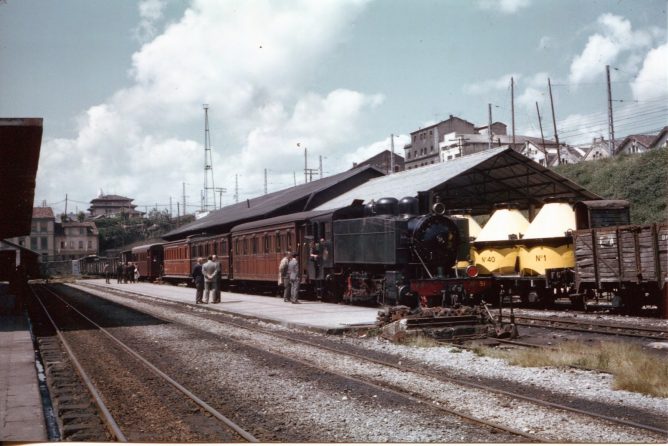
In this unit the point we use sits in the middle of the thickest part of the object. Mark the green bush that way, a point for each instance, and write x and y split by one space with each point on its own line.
641 179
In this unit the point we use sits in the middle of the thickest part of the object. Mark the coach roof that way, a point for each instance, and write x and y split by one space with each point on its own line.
303 197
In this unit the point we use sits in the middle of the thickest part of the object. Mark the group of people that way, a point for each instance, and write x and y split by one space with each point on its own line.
207 279
125 273
288 276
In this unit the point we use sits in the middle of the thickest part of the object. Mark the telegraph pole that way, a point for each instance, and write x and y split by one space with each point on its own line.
236 187
512 106
184 199
554 123
392 154
542 138
265 181
320 158
489 126
611 126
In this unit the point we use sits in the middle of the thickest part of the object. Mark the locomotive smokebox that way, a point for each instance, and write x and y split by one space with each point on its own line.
435 240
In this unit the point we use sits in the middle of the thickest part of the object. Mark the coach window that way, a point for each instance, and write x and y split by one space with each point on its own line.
289 242
236 247
267 243
254 241
277 242
245 244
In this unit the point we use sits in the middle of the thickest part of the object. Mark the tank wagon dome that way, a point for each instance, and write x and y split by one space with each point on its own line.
409 206
387 206
553 220
505 224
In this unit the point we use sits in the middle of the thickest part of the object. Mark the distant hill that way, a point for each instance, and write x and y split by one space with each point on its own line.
641 179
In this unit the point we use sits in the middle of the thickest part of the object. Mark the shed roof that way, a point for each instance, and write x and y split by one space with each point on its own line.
20 144
300 198
477 182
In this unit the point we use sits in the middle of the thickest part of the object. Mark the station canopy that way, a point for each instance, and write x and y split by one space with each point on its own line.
303 197
20 144
475 182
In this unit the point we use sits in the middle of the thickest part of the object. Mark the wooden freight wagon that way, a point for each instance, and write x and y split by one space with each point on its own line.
631 260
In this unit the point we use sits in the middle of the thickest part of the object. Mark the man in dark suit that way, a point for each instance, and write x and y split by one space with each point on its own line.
198 277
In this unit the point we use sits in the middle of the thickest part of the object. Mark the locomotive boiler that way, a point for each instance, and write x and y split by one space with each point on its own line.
393 255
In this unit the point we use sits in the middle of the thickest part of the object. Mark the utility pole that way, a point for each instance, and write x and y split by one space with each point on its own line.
554 124
305 166
320 162
512 106
265 181
611 126
392 154
178 213
489 126
236 187
294 176
65 204
184 199
542 138
220 191
170 206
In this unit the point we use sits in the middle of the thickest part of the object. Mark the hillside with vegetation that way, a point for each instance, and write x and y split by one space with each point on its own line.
642 179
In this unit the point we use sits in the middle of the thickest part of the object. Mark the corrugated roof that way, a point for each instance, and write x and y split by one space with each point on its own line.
295 199
477 182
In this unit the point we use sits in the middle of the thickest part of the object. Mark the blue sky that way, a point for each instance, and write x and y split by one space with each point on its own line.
121 84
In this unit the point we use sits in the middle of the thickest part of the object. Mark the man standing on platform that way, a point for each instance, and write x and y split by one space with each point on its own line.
293 273
209 271
198 277
283 277
216 280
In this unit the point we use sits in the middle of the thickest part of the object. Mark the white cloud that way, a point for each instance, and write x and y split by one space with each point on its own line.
616 36
490 85
652 81
249 62
505 6
150 12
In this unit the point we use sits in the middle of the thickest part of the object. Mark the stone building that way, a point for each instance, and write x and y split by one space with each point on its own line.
112 206
383 162
76 239
424 146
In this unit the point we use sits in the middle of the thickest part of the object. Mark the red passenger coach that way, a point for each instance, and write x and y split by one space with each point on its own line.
148 259
181 255
258 247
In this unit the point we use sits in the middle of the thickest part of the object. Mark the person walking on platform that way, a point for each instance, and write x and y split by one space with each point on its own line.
107 273
283 277
293 273
198 278
216 280
209 271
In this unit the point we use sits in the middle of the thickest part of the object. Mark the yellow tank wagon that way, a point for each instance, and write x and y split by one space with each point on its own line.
495 249
548 243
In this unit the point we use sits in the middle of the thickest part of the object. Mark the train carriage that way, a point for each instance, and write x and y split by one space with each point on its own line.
180 256
258 247
149 260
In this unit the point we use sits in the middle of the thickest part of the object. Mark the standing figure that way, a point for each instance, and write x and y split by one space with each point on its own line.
198 278
209 271
119 272
135 274
106 272
283 277
216 280
293 273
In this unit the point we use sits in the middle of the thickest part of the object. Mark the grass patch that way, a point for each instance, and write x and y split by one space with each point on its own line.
419 340
632 368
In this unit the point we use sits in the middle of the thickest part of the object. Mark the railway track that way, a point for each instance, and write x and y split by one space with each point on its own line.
657 427
54 306
591 327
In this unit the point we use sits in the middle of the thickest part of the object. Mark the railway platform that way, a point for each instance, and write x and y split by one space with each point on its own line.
21 413
309 315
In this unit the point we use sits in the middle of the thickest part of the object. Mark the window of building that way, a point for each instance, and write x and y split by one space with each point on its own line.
81 231
44 243
90 244
33 243
71 244
33 226
80 244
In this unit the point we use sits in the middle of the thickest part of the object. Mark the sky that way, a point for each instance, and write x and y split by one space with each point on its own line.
121 85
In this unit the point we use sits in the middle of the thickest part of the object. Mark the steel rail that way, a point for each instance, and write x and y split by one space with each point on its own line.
243 433
404 394
107 418
433 375
552 323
